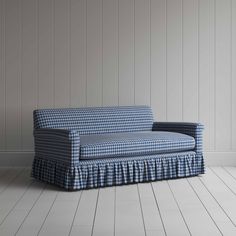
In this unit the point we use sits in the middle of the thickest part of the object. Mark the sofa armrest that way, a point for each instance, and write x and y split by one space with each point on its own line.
193 129
61 145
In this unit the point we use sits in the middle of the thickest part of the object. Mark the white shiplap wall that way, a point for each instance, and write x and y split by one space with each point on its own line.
179 56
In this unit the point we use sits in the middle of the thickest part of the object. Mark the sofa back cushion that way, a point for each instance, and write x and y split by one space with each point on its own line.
96 120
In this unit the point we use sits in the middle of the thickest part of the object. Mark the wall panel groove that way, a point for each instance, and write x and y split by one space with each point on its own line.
158 58
36 56
2 77
29 69
174 61
233 78
69 46
142 49
126 52
78 53
178 56
62 82
110 52
190 62
45 39
13 125
94 55
222 79
20 19
204 66
212 74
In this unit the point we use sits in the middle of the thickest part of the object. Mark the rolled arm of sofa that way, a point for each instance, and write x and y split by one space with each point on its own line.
60 145
193 129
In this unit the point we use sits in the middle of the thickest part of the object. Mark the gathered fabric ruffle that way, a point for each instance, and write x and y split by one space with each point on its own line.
117 171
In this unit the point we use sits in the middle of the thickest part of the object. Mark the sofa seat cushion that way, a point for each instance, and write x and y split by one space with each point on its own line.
133 144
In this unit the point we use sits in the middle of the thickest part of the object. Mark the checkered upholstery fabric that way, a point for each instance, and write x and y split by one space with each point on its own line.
58 145
108 172
133 144
60 141
192 129
96 120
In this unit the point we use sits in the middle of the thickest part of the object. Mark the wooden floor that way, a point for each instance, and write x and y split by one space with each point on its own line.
204 205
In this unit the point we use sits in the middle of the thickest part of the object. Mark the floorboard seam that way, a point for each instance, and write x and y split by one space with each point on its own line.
115 212
158 209
47 214
95 212
31 208
12 180
204 207
140 203
179 208
217 202
75 213
231 190
12 208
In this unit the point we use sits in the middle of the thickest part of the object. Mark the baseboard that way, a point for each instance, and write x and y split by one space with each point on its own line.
16 158
25 158
220 158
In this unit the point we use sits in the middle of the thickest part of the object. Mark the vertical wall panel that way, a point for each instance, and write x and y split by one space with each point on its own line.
142 52
204 69
158 59
13 75
174 60
212 74
94 52
62 76
126 52
233 74
223 76
45 53
78 53
110 52
2 76
29 70
190 60
176 55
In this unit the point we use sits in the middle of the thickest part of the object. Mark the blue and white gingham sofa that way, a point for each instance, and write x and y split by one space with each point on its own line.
80 148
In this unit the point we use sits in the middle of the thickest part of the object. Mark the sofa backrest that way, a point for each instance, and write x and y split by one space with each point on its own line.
96 120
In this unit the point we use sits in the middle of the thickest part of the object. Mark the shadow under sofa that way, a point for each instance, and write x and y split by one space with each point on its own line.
80 148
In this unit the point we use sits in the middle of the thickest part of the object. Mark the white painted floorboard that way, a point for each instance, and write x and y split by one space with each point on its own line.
202 205
172 218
